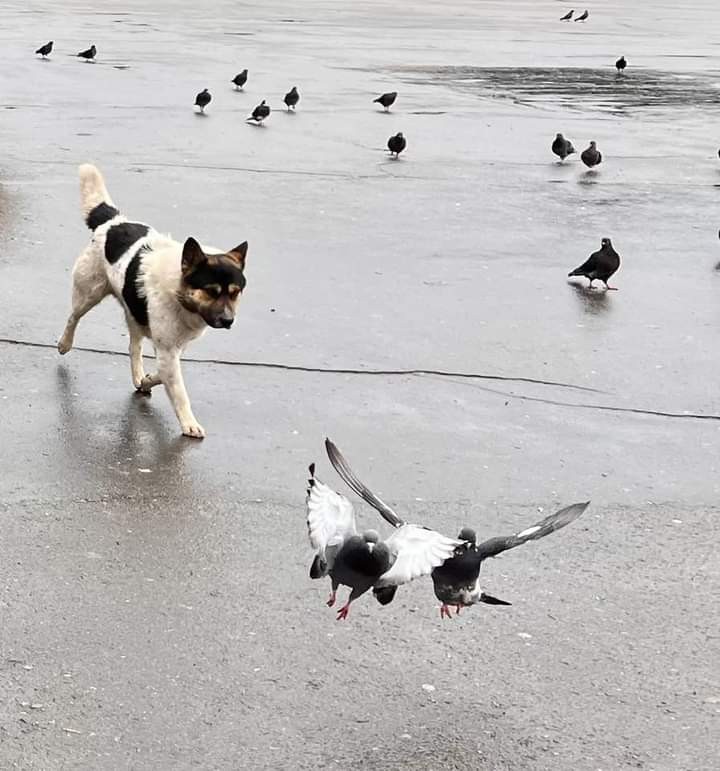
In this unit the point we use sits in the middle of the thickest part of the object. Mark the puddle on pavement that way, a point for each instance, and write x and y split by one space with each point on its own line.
578 87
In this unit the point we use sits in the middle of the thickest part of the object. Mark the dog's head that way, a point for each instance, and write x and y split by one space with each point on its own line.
211 284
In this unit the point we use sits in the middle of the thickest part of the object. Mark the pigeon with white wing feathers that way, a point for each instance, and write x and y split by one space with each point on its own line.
364 562
456 580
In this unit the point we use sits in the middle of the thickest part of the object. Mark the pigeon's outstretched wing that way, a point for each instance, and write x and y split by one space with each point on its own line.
416 551
348 476
330 521
550 524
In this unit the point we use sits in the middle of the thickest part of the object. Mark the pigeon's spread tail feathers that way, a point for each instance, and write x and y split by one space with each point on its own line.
488 599
385 594
96 205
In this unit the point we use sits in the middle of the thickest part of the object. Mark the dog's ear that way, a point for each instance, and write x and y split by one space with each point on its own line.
192 256
239 253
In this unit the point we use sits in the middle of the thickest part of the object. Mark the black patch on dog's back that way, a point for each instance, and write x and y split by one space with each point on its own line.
121 237
101 214
136 303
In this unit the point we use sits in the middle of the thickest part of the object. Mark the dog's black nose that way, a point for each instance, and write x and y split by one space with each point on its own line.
226 323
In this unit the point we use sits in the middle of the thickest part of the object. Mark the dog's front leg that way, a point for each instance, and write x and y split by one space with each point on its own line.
136 358
171 377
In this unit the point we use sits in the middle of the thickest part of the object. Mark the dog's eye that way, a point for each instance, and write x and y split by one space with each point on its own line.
214 290
233 291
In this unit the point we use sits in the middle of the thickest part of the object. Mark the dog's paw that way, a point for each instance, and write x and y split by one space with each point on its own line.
194 430
64 346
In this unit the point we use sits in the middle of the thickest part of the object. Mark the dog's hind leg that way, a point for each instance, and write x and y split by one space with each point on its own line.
90 286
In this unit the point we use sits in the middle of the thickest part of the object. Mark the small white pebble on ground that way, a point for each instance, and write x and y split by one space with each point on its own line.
428 688
525 635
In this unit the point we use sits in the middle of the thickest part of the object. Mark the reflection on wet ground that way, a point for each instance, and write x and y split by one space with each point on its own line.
579 88
594 301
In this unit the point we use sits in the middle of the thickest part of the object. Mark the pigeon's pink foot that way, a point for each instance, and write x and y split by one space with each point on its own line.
331 600
445 611
343 612
458 608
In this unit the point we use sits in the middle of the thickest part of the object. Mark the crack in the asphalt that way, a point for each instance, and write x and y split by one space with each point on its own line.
584 406
325 370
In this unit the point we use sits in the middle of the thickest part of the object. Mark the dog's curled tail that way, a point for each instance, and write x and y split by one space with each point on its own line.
95 202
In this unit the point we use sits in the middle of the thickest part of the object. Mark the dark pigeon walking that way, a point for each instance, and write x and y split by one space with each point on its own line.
562 147
240 80
89 54
599 265
364 562
568 15
583 16
396 144
45 50
621 64
259 114
291 98
457 581
386 100
591 156
203 99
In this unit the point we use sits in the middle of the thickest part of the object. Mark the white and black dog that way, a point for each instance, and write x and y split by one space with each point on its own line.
170 292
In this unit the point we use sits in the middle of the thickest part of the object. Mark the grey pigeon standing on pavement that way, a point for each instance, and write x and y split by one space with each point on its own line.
562 147
89 54
457 581
259 114
386 100
591 156
240 80
291 98
567 16
621 64
396 144
599 265
583 16
203 99
364 562
45 50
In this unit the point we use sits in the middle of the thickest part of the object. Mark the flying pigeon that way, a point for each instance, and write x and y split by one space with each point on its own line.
45 50
240 80
203 99
259 113
583 16
292 98
591 156
396 144
562 147
599 265
621 64
386 100
365 562
568 15
457 581
88 55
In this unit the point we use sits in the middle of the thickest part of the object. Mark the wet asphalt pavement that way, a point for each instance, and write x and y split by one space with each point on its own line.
155 609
